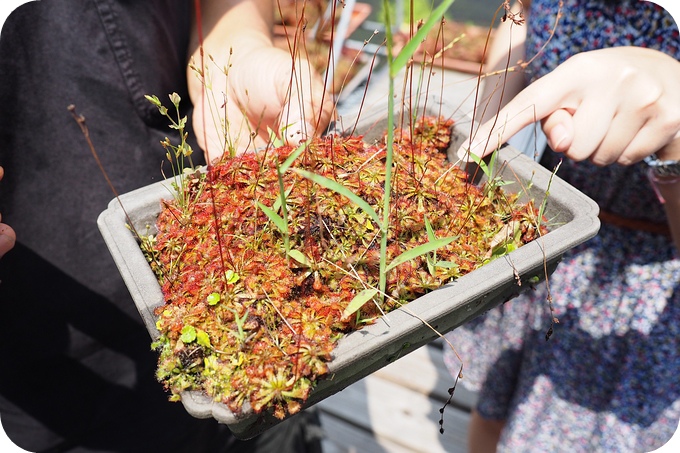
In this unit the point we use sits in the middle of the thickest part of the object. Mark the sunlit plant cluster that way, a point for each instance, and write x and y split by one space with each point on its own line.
255 305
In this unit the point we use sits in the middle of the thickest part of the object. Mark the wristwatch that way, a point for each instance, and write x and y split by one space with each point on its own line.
663 168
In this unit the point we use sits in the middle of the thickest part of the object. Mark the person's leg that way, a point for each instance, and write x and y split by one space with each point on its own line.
483 434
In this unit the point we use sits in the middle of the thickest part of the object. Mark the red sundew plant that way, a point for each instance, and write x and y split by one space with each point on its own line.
252 315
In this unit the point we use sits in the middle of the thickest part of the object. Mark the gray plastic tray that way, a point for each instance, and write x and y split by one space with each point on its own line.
360 353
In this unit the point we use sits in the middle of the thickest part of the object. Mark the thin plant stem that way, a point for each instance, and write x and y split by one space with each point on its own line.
394 66
389 157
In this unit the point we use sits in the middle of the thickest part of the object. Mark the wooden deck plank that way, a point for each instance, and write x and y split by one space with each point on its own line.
406 418
343 437
424 371
396 410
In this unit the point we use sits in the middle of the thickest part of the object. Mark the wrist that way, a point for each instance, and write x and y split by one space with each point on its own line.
662 168
664 185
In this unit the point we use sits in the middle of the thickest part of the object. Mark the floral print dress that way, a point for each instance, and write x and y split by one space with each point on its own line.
608 380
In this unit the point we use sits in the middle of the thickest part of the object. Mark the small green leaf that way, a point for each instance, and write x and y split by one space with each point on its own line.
482 165
342 190
430 237
503 249
231 276
359 301
300 258
188 334
213 298
500 182
430 232
420 250
203 339
153 99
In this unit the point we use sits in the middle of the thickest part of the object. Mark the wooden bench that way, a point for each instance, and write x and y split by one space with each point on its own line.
397 409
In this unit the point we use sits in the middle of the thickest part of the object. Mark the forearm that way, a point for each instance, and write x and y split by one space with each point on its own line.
231 28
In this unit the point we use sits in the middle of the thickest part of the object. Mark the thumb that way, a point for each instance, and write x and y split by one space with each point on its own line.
559 129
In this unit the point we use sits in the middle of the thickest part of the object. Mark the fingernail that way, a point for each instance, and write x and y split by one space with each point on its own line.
463 153
465 150
558 135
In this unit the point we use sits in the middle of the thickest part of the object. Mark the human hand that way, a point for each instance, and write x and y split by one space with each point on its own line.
7 235
261 92
615 105
251 87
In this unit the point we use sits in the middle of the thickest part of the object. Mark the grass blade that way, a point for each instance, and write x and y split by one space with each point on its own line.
291 158
422 249
274 217
359 301
412 45
342 190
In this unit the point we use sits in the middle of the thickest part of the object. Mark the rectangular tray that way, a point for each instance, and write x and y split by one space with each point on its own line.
362 352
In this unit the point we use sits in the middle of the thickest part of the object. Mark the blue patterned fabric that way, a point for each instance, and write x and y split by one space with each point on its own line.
608 380
593 24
